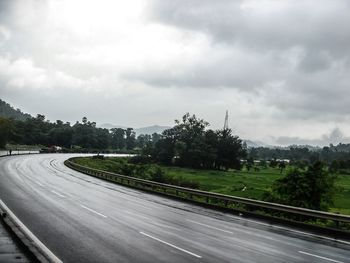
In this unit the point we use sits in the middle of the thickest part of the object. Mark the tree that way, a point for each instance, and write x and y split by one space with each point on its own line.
281 166
190 144
189 140
61 135
8 112
156 137
84 134
230 150
118 138
130 139
313 188
211 149
334 167
6 130
250 163
273 163
102 138
35 130
142 140
163 151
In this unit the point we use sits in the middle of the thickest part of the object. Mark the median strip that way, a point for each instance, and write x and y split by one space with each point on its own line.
93 211
316 256
171 245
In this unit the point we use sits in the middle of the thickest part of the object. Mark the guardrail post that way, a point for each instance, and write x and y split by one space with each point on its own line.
207 199
337 222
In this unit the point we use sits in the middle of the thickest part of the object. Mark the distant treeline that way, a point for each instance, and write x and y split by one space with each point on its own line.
333 153
189 143
82 135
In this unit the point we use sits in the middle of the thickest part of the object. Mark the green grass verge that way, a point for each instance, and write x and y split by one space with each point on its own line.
249 184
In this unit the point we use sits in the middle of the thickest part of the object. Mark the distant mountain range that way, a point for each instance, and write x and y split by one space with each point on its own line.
142 130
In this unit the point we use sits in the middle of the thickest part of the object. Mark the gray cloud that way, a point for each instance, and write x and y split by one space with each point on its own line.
335 137
301 45
221 66
281 66
315 61
264 24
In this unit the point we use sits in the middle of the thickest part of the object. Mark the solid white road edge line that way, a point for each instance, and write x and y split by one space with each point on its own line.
43 248
171 245
208 226
316 256
93 211
56 193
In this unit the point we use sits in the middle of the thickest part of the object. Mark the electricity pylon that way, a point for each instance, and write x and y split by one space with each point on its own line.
226 121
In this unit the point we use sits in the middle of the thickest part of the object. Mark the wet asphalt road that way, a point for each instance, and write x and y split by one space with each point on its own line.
84 219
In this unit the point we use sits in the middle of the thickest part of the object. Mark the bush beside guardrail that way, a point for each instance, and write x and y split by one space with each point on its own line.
240 204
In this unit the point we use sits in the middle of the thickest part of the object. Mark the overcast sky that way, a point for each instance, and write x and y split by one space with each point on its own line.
280 67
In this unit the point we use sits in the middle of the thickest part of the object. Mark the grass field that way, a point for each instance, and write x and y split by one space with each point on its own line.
252 184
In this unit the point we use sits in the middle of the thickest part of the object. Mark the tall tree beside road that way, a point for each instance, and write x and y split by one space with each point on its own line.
313 188
189 143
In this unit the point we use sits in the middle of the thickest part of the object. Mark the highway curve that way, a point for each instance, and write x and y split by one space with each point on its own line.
84 219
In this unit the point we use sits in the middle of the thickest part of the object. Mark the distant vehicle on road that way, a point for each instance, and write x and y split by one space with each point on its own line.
51 149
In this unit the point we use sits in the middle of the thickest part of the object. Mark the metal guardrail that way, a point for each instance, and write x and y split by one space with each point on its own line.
35 247
206 197
4 153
